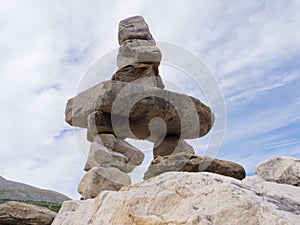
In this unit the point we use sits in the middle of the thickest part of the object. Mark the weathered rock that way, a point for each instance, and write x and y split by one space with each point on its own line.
138 51
140 73
133 28
282 169
99 179
25 214
100 155
189 198
171 145
192 163
99 122
134 155
183 115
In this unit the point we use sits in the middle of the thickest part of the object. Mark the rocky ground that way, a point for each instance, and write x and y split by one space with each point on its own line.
197 198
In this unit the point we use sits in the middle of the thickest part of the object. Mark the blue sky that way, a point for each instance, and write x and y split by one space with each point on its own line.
251 47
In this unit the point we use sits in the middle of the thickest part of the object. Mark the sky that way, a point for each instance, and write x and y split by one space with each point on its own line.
46 47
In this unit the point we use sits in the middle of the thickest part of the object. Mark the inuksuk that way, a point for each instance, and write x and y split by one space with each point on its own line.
134 104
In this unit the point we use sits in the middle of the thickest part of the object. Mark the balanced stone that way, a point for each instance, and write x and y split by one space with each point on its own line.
99 155
133 28
138 51
99 179
192 163
171 145
140 73
183 115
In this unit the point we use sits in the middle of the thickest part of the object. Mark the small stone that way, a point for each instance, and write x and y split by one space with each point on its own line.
98 122
133 28
135 156
138 51
140 73
99 155
192 163
280 169
99 179
21 213
171 145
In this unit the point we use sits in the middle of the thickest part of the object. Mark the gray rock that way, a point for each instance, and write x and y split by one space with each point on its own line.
138 51
140 73
99 122
182 115
281 169
189 198
99 155
25 214
11 190
135 156
192 163
99 179
171 145
133 28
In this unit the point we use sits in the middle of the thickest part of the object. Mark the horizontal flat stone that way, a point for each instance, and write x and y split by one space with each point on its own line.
133 28
140 73
99 179
99 155
138 51
192 163
179 114
171 145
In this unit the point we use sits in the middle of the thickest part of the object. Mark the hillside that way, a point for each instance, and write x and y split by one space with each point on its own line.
23 192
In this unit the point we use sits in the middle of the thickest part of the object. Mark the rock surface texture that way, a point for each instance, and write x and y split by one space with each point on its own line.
285 170
25 214
189 198
192 163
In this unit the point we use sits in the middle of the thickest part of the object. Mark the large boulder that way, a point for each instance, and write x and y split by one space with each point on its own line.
25 214
99 179
133 28
193 163
280 169
137 105
188 198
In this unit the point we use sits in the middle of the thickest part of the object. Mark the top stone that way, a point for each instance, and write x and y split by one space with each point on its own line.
133 28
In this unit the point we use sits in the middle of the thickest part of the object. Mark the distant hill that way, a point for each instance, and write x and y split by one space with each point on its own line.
18 191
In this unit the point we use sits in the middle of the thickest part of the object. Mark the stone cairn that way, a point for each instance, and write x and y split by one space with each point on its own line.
134 104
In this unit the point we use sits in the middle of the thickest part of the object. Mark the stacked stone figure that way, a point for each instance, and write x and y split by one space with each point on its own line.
134 104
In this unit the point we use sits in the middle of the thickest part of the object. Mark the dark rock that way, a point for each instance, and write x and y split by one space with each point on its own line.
140 73
191 163
133 28
171 145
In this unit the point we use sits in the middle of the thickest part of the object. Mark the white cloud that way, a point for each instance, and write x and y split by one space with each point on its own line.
47 46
